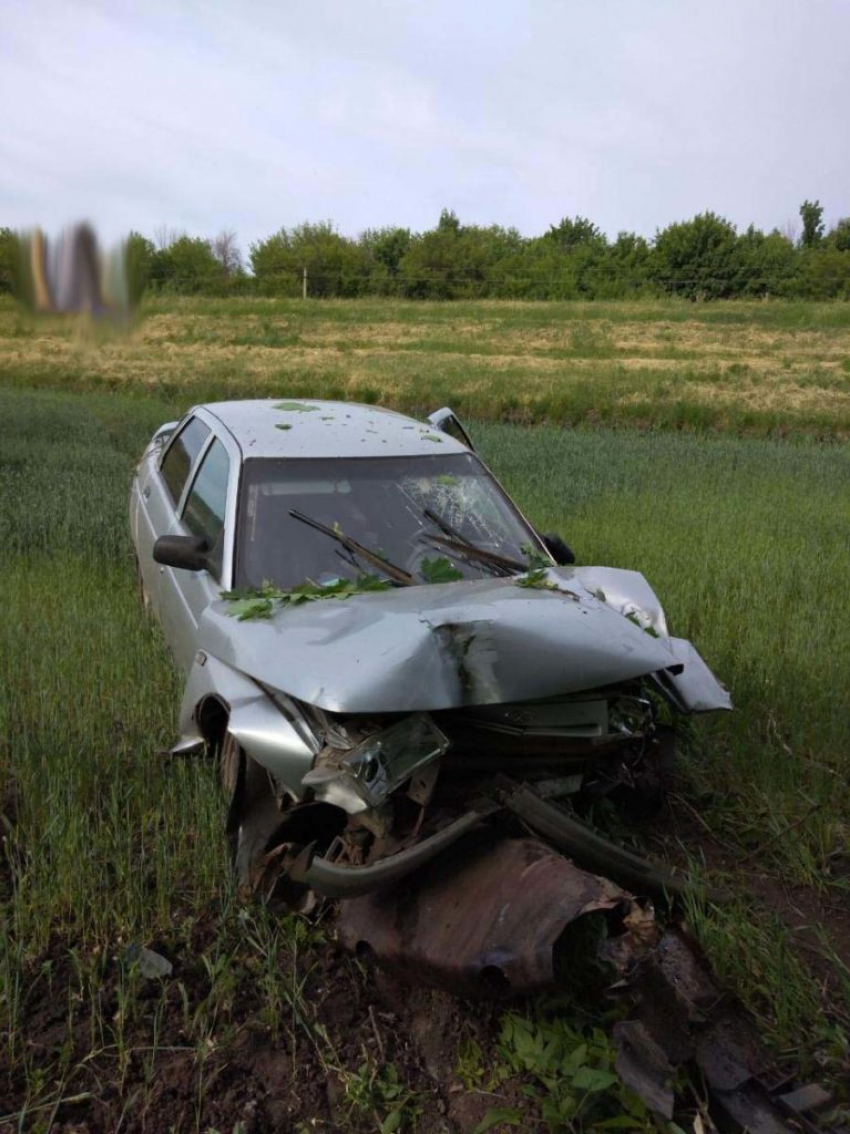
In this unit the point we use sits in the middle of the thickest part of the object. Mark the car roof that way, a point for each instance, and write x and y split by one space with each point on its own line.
306 427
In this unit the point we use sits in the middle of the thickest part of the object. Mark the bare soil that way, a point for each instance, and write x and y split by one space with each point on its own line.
247 1075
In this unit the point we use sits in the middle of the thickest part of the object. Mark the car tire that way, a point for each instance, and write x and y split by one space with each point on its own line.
253 814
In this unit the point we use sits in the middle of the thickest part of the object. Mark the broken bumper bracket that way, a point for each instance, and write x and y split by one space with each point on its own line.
333 881
594 852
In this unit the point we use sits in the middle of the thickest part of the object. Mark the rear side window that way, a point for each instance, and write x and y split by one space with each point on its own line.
181 456
204 512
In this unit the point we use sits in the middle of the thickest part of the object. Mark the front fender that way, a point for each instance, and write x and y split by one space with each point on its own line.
627 592
282 742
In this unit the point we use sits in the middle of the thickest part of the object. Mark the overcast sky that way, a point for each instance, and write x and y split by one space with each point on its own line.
250 116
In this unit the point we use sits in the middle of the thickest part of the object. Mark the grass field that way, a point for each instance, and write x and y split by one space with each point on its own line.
758 368
108 844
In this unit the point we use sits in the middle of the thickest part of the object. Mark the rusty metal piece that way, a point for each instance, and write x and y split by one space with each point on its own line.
483 919
808 1100
682 1015
644 1066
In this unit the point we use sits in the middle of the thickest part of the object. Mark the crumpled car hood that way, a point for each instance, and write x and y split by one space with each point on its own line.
443 646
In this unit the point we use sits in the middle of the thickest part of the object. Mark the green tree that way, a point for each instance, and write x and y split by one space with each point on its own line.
336 265
824 274
449 222
430 267
811 213
186 265
383 249
577 266
699 258
455 261
139 253
624 268
767 265
572 232
839 237
9 259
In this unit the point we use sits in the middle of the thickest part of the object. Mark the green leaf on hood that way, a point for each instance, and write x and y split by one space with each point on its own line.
438 570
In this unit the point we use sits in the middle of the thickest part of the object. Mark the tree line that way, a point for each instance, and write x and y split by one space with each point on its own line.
702 258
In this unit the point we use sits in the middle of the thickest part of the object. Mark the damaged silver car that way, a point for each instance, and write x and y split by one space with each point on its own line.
414 698
401 677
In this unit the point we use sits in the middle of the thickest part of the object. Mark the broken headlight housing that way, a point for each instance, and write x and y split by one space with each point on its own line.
367 774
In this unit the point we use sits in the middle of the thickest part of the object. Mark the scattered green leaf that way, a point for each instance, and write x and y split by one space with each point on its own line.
507 1116
537 579
251 603
632 617
571 1063
295 407
283 427
439 570
536 558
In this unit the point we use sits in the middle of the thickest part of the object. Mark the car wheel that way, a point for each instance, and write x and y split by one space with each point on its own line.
253 814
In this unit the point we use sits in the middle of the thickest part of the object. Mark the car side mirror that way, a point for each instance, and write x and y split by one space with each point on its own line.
189 553
447 422
560 551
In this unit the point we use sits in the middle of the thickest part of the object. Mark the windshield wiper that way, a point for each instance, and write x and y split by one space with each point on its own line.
403 578
457 542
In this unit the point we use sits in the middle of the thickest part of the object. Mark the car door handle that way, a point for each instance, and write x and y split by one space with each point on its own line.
146 491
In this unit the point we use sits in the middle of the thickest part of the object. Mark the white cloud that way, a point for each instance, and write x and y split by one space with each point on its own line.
633 112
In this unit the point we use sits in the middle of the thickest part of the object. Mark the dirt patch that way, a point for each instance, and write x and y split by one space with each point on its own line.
351 1047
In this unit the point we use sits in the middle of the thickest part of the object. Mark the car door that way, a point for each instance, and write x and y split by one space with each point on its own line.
161 483
141 523
204 514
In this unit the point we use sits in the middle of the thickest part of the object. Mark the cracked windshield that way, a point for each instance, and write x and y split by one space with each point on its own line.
432 518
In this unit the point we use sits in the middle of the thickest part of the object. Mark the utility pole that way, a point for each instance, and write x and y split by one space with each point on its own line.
303 283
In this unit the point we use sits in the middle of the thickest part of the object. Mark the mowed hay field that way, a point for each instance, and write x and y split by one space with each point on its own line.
759 367
739 518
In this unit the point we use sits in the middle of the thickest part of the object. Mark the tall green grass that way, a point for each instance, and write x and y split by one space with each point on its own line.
107 841
748 545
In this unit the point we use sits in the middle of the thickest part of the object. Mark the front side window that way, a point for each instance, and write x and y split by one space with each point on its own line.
205 504
400 508
181 455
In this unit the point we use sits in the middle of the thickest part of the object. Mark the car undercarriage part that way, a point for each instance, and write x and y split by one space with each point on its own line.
487 919
333 881
502 916
681 1017
591 849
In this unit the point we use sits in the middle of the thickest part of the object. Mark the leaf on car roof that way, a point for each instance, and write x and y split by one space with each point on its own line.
296 407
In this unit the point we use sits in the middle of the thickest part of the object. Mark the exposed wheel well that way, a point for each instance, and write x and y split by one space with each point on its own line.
213 717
